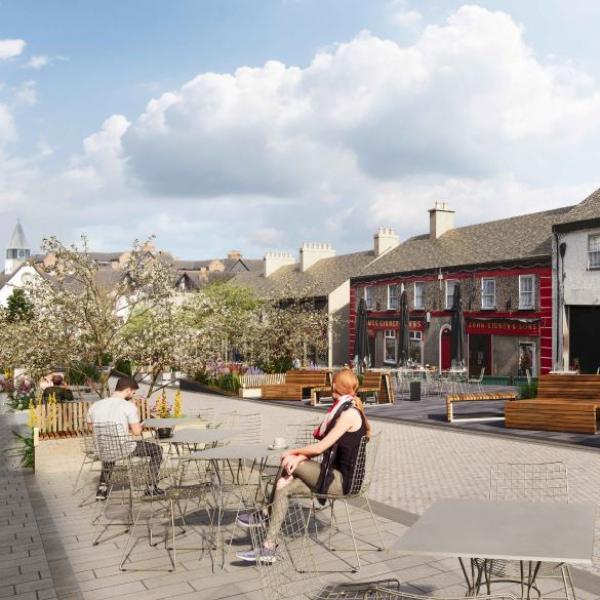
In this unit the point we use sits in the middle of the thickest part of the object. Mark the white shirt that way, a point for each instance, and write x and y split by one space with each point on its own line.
114 410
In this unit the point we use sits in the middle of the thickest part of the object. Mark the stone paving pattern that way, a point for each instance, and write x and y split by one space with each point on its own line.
416 465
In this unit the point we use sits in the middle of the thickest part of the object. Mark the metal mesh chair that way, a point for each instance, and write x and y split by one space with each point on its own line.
286 577
182 486
390 594
90 455
362 476
529 482
248 426
208 415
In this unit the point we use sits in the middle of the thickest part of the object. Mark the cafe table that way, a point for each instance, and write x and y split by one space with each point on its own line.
156 422
221 459
526 532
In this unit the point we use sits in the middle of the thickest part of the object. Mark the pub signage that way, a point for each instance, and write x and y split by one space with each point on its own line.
381 324
503 328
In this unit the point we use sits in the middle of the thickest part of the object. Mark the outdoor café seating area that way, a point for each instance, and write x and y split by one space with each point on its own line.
217 464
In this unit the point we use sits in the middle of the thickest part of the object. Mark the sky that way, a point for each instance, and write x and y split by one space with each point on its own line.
262 124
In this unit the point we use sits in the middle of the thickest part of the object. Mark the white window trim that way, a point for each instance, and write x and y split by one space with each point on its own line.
589 252
389 296
455 281
369 304
532 305
385 338
422 305
493 305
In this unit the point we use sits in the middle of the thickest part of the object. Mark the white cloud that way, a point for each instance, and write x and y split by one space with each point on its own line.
369 133
404 16
26 93
7 127
37 62
11 48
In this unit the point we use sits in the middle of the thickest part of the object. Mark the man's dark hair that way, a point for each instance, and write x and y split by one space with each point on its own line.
57 379
124 383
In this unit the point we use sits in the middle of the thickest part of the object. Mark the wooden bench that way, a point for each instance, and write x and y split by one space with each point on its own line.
567 403
298 385
373 383
452 399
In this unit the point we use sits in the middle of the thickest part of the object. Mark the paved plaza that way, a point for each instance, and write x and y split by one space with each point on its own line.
47 541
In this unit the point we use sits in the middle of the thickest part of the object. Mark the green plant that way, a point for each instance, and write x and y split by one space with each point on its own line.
528 390
20 401
25 449
80 374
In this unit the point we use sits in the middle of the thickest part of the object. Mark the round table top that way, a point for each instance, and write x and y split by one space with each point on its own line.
199 436
235 453
170 421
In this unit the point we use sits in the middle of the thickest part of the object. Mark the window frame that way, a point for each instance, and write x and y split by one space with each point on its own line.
454 282
531 278
387 337
368 296
593 267
389 296
422 305
492 306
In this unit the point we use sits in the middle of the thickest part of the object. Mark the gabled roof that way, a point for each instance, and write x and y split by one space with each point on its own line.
506 240
316 282
585 210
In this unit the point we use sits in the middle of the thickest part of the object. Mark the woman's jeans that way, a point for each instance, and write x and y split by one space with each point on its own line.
305 479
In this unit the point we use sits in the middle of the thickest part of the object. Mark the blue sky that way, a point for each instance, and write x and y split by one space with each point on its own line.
494 112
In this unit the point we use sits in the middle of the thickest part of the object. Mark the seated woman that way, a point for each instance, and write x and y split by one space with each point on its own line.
59 388
339 437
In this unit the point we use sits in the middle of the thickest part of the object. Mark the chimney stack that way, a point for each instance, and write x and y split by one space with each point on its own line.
441 219
234 255
313 252
276 260
385 239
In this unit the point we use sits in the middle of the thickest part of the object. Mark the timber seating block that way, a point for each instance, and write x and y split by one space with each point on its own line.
568 403
296 382
452 399
373 382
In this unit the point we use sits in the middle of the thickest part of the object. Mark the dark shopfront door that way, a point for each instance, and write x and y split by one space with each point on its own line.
584 327
480 354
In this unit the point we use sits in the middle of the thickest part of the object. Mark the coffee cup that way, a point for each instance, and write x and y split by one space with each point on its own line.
279 442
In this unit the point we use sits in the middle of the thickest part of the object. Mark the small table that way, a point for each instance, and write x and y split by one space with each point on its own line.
532 532
155 423
200 436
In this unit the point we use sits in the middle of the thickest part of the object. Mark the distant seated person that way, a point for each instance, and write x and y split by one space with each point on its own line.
59 388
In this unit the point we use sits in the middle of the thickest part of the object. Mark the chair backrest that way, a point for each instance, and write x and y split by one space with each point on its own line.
531 482
362 473
300 434
112 447
248 426
371 379
207 414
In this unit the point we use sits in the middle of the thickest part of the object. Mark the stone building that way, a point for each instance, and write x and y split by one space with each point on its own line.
576 284
504 269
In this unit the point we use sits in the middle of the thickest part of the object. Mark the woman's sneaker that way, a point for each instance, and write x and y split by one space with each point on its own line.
264 555
102 492
249 520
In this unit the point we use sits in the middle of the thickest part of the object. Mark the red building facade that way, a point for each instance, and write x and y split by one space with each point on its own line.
507 307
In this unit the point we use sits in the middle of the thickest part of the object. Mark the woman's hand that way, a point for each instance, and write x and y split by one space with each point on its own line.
290 462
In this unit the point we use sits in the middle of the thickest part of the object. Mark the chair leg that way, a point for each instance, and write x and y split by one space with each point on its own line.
376 524
352 534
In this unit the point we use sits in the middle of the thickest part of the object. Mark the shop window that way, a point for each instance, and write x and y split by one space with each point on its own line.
419 295
527 359
393 295
389 348
526 291
368 296
488 294
594 251
450 285
415 346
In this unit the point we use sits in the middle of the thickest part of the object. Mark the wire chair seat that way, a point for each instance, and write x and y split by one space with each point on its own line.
529 482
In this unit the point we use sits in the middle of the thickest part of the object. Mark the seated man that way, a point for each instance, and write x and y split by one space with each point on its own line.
59 388
123 414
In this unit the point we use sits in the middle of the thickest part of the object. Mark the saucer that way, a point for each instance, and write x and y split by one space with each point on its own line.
271 447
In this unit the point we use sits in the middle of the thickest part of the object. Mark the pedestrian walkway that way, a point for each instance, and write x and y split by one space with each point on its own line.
24 569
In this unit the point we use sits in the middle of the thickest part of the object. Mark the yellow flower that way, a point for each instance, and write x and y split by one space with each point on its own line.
32 419
177 408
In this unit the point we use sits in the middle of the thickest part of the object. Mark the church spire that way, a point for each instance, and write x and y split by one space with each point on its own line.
18 250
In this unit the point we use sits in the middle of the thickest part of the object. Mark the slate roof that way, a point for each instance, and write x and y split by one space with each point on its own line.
587 209
516 238
316 282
